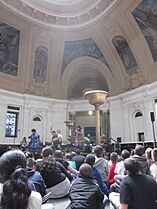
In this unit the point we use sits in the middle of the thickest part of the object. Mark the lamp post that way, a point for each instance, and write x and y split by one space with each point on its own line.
97 98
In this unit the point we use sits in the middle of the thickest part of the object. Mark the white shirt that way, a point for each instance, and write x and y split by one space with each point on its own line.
153 171
119 169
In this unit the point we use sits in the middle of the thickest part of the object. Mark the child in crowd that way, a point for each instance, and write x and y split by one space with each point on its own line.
90 159
84 192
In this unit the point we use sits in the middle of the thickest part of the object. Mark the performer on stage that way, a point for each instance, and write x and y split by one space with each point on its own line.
34 143
56 140
78 137
104 141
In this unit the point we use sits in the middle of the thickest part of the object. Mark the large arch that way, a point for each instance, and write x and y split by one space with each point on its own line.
96 68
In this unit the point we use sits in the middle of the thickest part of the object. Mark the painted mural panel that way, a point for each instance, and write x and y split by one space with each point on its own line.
125 54
40 65
146 17
9 49
79 48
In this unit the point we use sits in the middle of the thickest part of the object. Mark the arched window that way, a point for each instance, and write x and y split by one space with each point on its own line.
40 65
125 54
138 114
36 119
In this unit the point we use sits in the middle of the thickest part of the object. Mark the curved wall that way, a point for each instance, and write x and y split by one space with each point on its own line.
53 113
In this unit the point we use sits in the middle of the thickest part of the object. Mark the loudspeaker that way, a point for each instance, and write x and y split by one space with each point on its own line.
119 139
152 116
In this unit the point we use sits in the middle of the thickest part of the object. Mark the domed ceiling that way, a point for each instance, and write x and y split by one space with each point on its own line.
61 13
58 48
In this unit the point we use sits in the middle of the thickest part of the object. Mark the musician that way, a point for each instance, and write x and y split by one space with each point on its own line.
56 140
78 137
34 143
104 141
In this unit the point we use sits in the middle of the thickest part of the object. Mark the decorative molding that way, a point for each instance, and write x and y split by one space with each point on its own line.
49 17
134 80
37 89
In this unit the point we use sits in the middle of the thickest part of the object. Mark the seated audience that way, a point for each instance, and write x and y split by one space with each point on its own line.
148 155
137 190
56 178
78 159
120 169
84 192
153 167
101 164
68 158
46 152
58 155
35 177
113 160
139 155
14 190
90 159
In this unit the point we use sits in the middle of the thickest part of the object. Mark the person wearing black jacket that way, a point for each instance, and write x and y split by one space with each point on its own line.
84 192
56 178
139 156
58 155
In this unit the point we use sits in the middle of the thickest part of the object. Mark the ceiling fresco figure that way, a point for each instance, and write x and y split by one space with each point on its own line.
9 49
146 17
125 54
79 48
40 65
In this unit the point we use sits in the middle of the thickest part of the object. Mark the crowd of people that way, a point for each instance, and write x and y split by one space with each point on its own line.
89 181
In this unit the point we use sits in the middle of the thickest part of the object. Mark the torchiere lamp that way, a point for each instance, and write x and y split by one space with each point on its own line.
97 98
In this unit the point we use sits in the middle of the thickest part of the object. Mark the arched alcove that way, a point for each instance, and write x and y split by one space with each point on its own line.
85 78
86 72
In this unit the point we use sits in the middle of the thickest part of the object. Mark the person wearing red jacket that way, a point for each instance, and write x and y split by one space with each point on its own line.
113 160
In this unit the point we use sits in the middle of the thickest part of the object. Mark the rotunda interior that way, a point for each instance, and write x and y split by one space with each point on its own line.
52 51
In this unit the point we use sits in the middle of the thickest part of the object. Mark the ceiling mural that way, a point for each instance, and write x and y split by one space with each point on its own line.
40 65
77 44
79 48
125 54
146 17
9 49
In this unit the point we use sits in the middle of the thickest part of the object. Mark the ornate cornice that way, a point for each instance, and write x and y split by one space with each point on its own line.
60 18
